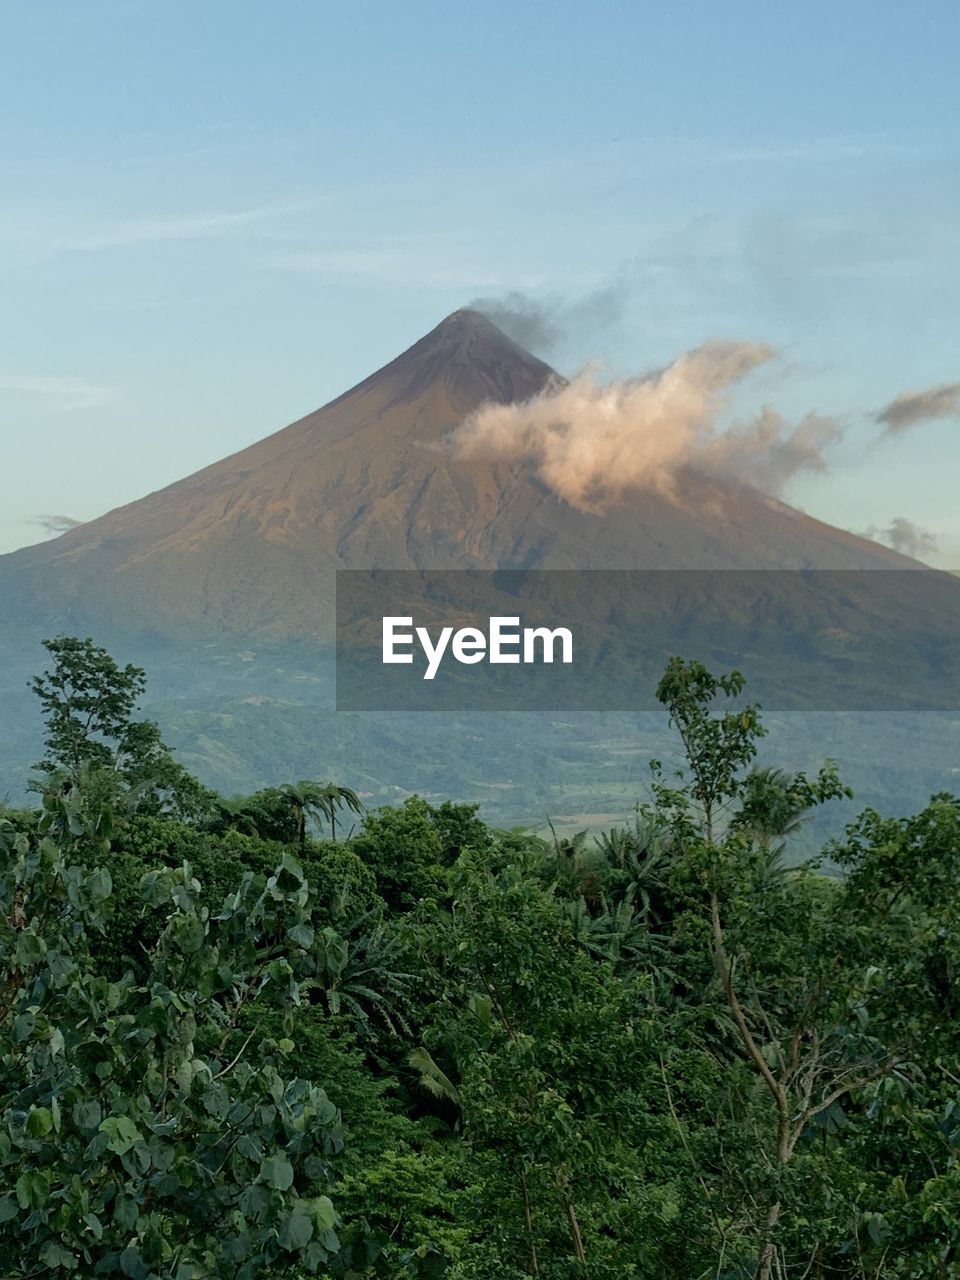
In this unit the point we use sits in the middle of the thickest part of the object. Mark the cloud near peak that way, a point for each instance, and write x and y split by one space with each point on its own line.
592 443
56 524
542 324
905 536
911 407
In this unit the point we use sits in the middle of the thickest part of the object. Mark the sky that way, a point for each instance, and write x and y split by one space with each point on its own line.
217 216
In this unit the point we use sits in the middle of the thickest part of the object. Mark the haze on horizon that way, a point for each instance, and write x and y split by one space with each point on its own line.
186 272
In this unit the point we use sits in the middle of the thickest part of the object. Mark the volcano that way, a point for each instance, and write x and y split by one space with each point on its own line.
247 546
222 587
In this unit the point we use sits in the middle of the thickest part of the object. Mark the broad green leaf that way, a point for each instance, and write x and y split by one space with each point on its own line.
294 1230
126 1212
323 1212
133 1265
30 949
87 1115
93 1225
39 1122
32 1189
23 1026
123 1134
99 885
253 1201
55 1256
277 1172
155 888
302 935
249 1149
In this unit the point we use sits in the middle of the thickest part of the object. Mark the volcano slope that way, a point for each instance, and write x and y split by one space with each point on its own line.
247 546
221 584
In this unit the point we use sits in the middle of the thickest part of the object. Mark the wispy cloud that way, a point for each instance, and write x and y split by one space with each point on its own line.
55 525
64 395
540 324
911 407
153 230
905 536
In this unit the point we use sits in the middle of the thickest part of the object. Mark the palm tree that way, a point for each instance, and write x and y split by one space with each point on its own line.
319 801
431 1077
358 970
239 814
298 797
773 811
333 798
639 854
577 866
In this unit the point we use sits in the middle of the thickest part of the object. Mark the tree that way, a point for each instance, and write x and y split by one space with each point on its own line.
321 801
775 807
549 1057
139 1134
267 814
663 1052
403 849
282 813
89 702
811 972
459 829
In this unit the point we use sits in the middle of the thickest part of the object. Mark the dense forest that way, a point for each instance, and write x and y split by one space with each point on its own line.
283 1035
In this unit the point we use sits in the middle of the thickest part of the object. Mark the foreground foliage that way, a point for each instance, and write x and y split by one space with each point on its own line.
232 1045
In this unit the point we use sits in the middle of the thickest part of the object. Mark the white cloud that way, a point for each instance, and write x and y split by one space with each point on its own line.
63 395
202 226
592 443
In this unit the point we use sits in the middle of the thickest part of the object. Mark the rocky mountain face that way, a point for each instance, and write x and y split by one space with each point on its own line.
247 546
221 586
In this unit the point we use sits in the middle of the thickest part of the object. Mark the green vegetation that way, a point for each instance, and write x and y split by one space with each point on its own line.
243 1038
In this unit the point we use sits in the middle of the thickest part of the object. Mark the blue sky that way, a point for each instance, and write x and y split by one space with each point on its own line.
218 215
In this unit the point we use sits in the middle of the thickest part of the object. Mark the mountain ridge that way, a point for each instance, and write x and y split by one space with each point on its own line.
248 544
